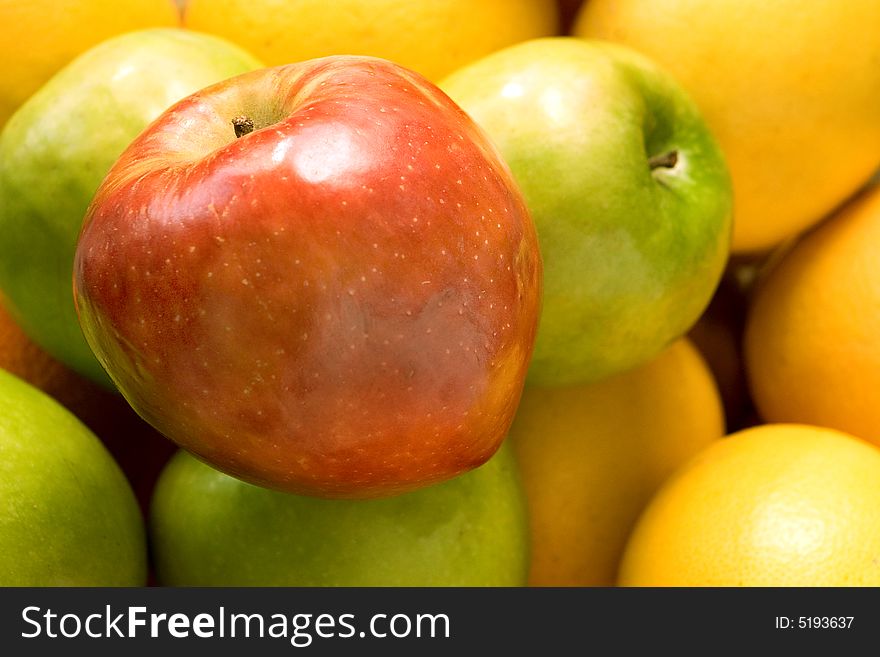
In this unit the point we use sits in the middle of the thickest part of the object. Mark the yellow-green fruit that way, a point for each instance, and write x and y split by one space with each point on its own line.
628 189
67 514
209 529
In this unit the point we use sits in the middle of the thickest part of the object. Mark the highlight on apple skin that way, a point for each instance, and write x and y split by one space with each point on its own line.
320 278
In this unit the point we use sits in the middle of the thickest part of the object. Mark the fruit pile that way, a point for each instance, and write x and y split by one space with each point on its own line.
461 293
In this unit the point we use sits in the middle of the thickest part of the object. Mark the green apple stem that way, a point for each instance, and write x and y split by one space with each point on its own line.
666 160
242 126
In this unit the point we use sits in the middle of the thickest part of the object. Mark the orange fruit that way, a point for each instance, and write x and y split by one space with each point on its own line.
38 37
591 456
812 341
791 90
775 505
433 38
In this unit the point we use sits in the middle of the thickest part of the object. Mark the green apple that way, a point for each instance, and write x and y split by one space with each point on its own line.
67 514
56 150
630 195
209 529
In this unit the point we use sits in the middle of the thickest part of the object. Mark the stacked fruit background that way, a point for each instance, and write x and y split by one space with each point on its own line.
449 293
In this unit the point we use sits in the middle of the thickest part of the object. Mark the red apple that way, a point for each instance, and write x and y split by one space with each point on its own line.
341 302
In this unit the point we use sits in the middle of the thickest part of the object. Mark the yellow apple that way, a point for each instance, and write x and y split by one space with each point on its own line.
790 88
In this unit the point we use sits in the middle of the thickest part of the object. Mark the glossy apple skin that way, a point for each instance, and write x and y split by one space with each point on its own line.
631 254
209 529
56 150
341 303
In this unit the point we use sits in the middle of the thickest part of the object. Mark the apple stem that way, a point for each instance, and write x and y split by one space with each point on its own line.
667 160
242 126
